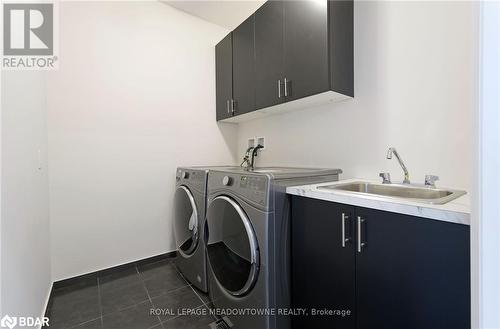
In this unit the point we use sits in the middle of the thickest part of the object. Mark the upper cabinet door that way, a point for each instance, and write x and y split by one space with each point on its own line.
341 38
306 48
224 77
244 67
269 54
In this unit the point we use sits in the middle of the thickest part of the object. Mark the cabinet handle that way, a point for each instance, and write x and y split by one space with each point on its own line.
360 244
227 106
279 88
344 239
286 87
232 105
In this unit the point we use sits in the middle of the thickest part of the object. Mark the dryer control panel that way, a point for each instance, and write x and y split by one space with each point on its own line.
256 184
253 188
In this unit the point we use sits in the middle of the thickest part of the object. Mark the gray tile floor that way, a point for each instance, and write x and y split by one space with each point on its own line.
124 298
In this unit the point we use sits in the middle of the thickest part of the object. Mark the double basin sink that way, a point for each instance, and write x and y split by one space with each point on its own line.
423 194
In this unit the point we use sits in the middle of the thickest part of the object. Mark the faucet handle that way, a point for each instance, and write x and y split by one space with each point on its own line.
386 177
430 180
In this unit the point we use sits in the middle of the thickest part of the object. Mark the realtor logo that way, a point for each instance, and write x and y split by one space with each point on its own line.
28 29
30 36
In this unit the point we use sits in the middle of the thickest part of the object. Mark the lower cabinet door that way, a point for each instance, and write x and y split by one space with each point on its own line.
323 269
411 273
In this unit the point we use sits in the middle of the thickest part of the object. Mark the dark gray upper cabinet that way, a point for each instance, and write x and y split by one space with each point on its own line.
224 77
305 48
269 54
244 67
299 49
341 46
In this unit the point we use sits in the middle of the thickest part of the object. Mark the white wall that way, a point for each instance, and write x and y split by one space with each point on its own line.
414 89
133 99
228 14
25 251
489 162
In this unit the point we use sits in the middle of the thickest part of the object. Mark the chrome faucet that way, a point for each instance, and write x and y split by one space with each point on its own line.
386 177
392 151
430 180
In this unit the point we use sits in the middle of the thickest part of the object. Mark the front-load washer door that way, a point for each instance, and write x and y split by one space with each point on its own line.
185 221
232 247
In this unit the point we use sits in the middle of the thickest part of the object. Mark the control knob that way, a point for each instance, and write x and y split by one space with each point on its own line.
227 181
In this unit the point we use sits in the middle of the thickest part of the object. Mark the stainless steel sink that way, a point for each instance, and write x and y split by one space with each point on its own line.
414 193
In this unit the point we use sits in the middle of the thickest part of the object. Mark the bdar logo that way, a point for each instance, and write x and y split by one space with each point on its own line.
28 29
8 322
23 321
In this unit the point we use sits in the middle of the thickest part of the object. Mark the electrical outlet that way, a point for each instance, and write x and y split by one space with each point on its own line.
251 142
261 141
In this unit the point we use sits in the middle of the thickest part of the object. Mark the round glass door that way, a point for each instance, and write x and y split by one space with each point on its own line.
231 246
185 221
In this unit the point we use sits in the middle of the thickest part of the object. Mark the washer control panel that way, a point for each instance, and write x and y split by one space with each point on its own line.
194 178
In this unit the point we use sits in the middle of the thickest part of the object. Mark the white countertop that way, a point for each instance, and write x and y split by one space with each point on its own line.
455 211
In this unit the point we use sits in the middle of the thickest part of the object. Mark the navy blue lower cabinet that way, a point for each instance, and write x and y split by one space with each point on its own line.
393 271
323 268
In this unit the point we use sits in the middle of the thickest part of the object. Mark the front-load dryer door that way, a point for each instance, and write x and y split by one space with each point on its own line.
232 247
185 221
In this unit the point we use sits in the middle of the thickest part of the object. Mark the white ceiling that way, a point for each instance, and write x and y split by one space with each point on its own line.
228 14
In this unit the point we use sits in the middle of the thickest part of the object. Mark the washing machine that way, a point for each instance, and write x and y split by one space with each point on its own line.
247 238
190 200
189 214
